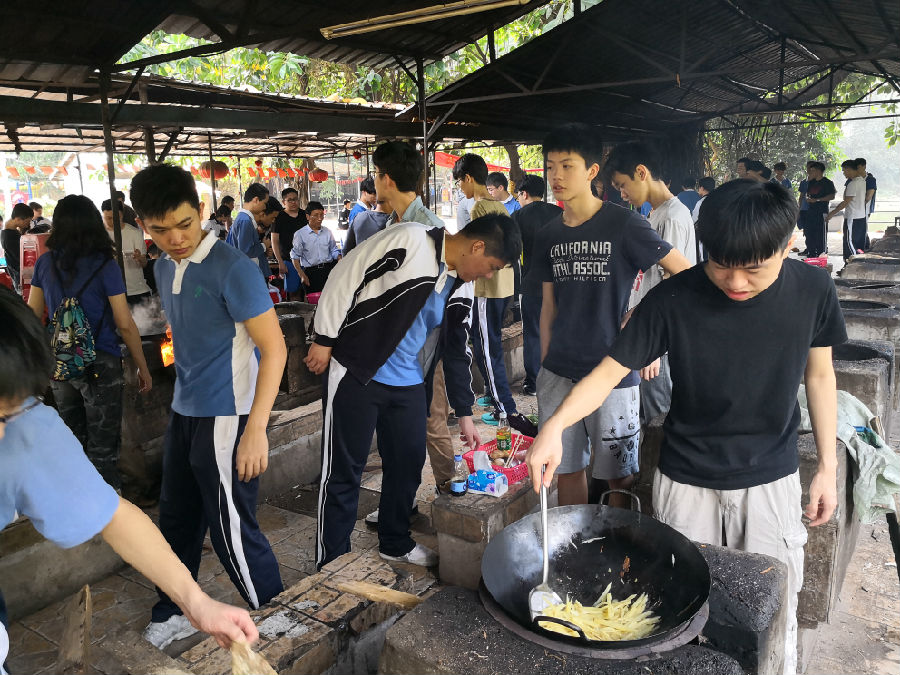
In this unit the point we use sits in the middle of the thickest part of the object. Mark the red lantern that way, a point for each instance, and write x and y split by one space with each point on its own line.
30 170
318 175
272 173
12 171
258 162
357 154
220 170
282 173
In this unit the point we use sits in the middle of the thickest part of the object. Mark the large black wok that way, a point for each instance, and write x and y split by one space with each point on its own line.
588 547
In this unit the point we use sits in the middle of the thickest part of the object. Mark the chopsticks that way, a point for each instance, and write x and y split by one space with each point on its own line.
512 452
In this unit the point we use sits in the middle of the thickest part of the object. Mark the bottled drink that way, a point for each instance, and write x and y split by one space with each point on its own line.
504 434
459 484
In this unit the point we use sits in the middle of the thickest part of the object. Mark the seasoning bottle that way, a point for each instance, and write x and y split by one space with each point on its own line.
504 434
459 483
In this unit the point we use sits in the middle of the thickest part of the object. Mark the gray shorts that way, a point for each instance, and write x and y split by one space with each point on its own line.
613 430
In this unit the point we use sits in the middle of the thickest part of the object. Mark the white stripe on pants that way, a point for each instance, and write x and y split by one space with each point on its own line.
336 373
761 519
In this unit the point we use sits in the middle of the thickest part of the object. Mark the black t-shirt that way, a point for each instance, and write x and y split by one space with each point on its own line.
9 240
736 368
285 226
592 267
818 189
531 218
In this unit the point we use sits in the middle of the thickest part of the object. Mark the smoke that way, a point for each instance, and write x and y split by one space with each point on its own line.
149 316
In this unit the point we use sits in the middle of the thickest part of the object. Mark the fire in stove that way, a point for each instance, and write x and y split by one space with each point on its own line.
167 349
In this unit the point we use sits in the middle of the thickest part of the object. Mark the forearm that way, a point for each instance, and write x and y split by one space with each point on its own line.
821 397
840 207
276 247
548 316
132 339
588 395
268 379
137 540
296 264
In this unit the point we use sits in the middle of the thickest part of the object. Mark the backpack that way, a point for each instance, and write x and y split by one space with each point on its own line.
71 338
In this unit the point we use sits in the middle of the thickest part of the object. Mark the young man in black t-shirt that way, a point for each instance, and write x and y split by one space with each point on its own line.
587 261
741 331
819 192
291 219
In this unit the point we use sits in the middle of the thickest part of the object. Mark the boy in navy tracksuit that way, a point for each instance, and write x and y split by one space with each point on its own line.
396 305
216 445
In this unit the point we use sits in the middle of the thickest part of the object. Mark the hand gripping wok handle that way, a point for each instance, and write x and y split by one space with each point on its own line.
544 543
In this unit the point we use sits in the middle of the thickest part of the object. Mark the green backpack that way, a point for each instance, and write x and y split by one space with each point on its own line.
71 338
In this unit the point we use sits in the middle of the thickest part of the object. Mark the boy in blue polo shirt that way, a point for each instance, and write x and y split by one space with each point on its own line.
216 445
45 475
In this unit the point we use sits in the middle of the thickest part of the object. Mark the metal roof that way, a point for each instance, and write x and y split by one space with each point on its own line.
188 117
65 42
657 65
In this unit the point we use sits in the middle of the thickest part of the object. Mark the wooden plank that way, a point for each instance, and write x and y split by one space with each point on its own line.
376 593
74 646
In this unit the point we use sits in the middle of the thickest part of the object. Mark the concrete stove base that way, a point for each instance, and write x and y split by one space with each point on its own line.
452 632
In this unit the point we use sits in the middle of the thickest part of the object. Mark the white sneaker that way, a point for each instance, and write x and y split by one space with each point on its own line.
372 518
420 555
164 633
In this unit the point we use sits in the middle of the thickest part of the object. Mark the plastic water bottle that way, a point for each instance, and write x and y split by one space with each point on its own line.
459 484
504 434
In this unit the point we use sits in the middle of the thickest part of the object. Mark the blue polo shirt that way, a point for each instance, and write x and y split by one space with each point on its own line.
403 369
207 297
244 237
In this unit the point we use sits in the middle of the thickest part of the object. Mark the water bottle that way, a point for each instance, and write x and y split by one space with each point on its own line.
504 434
459 483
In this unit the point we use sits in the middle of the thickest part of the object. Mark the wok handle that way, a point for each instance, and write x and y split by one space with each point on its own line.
561 622
544 537
634 498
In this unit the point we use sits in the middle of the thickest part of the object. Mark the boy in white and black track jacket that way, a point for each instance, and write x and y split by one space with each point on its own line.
394 306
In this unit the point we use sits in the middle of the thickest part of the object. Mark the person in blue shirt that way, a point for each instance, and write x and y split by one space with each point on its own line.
315 251
45 476
497 186
366 199
688 195
216 447
80 264
780 168
243 234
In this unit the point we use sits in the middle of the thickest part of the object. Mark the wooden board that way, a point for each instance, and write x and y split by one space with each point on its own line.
245 661
376 593
74 646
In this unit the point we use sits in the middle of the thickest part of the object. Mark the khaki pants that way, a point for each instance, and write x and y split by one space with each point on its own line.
761 519
437 435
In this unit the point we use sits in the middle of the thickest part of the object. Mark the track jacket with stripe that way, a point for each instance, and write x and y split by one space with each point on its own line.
375 293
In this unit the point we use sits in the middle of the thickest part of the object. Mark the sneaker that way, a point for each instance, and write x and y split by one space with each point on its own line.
529 389
523 425
372 518
420 555
162 634
491 418
485 401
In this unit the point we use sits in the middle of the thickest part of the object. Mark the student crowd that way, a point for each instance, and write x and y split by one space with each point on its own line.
625 319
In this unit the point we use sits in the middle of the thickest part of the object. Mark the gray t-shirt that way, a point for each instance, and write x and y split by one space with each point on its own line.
672 221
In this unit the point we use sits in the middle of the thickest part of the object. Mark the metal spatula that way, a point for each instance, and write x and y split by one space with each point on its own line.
542 596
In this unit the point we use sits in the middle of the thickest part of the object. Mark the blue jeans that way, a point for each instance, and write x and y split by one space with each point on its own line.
531 337
486 337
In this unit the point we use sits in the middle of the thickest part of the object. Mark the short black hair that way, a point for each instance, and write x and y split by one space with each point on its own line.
744 221
367 185
817 165
534 186
106 205
472 165
161 188
708 183
577 138
314 206
688 182
860 161
223 211
402 162
744 160
766 173
500 235
346 201
755 165
153 249
22 210
228 198
256 191
273 205
25 360
848 163
287 191
625 158
120 195
780 166
497 179
35 206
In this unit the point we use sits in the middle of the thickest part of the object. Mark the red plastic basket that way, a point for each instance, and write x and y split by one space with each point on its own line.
514 473
821 261
313 298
